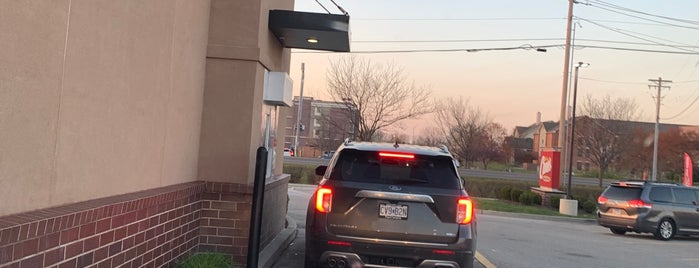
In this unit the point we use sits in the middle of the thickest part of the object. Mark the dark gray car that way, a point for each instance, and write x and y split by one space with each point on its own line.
644 207
390 205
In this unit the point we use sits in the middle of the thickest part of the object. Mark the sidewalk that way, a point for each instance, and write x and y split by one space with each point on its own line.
278 245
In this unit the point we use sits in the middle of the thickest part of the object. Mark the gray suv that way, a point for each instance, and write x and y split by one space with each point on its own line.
388 205
659 208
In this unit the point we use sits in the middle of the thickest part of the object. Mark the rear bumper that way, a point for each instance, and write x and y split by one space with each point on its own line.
335 259
386 253
636 224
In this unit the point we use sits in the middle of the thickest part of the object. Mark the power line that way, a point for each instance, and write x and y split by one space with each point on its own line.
459 40
504 48
684 110
611 82
498 19
639 17
687 81
641 50
515 39
631 22
637 37
645 13
455 19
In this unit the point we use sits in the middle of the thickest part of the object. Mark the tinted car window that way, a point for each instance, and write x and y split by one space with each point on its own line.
661 194
368 166
623 193
684 196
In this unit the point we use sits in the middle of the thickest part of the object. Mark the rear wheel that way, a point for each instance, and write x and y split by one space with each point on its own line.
310 264
665 230
618 231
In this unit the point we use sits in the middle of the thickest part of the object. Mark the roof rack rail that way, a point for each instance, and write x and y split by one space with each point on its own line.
443 148
347 141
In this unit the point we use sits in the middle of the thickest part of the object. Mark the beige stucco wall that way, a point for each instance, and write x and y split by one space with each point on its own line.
240 49
98 98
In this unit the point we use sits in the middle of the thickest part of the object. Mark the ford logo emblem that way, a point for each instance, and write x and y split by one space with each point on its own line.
394 188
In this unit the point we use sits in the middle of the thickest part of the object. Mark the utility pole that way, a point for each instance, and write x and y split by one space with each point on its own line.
564 99
298 116
659 82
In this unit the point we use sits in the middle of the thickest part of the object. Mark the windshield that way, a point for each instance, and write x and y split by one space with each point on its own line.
623 193
369 166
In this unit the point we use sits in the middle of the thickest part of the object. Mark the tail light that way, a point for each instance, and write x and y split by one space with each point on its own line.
339 243
397 155
638 203
324 198
464 210
443 252
602 199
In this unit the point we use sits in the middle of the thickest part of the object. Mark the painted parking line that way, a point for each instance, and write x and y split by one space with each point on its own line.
484 261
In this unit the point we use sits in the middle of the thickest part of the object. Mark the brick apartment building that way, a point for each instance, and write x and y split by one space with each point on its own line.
325 124
545 135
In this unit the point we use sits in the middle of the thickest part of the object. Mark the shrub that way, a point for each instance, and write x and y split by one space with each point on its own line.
505 192
525 198
589 206
555 201
514 195
207 260
490 188
536 199
581 201
305 174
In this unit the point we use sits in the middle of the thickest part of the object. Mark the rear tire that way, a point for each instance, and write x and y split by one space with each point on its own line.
665 230
618 231
309 263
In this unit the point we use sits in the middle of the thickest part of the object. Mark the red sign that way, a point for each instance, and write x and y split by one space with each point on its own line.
687 178
549 169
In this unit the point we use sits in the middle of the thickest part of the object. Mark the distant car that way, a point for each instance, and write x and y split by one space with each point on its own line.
327 155
646 207
390 205
288 152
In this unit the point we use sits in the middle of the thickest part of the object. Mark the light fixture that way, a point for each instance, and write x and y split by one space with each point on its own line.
312 40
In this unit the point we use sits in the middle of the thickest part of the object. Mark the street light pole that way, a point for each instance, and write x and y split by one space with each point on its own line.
298 117
572 131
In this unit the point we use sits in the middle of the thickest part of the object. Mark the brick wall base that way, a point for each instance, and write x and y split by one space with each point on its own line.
153 228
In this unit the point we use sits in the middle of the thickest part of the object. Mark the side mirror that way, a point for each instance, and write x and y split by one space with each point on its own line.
320 170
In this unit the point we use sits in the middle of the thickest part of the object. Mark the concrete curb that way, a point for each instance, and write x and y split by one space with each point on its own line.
537 217
273 250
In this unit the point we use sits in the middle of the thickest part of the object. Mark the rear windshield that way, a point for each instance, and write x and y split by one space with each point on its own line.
368 166
623 193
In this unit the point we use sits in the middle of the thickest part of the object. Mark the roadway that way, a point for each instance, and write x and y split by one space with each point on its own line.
510 240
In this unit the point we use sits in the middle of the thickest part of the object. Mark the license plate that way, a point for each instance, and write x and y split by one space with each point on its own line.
393 211
616 211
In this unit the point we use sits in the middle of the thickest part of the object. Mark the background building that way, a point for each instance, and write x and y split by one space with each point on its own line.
325 124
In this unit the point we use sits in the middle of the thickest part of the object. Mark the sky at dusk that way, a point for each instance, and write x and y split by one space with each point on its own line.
513 85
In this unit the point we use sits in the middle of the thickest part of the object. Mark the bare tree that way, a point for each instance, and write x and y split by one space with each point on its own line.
463 126
328 136
489 145
607 129
431 137
379 95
